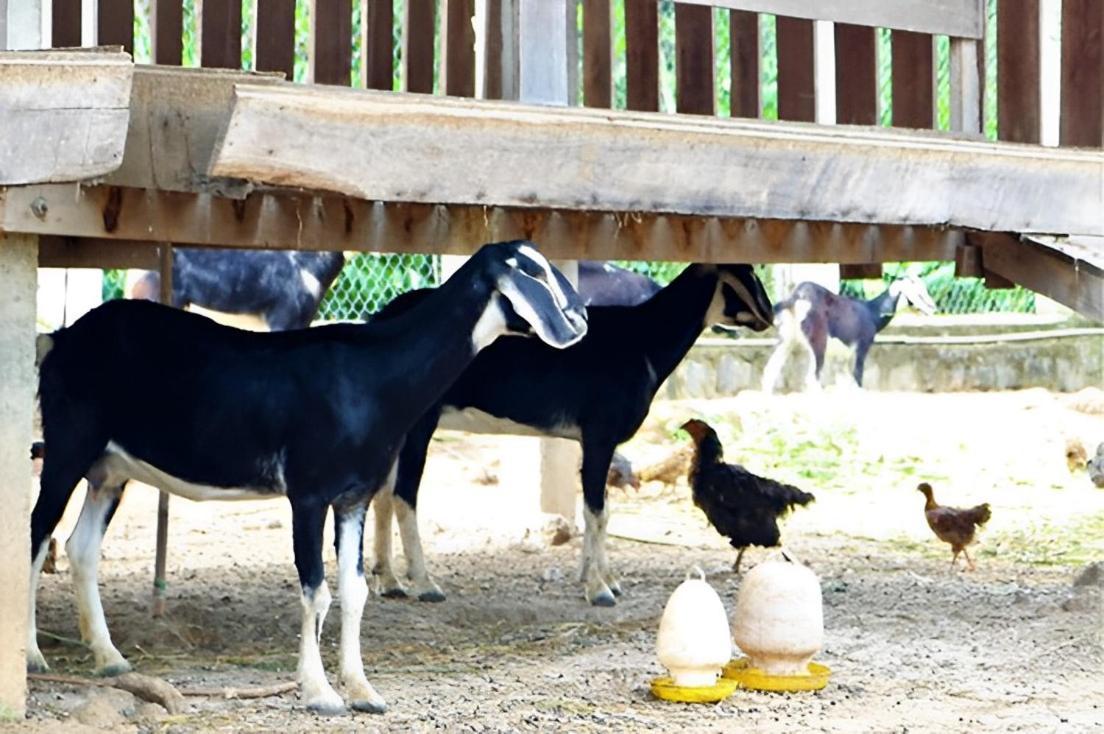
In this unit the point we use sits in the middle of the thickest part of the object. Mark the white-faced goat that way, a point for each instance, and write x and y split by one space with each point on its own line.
315 415
283 289
812 313
596 392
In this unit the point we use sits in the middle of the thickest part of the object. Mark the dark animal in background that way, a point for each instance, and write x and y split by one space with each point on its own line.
602 284
742 506
812 313
954 525
282 288
1095 466
596 392
313 415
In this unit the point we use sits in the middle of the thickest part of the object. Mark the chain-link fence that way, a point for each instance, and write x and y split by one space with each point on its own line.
951 295
369 281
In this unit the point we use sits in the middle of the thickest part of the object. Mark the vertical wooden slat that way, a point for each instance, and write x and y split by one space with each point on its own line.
458 48
66 29
642 55
115 24
276 36
377 22
418 46
1082 121
167 24
331 46
221 34
493 51
744 59
597 85
694 58
796 73
912 80
856 75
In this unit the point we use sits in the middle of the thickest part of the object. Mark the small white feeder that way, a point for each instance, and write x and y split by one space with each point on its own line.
779 620
693 641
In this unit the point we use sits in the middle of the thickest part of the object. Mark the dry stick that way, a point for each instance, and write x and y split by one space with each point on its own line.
162 692
239 693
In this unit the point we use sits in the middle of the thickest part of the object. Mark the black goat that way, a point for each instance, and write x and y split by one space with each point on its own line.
597 392
602 284
284 289
316 415
812 313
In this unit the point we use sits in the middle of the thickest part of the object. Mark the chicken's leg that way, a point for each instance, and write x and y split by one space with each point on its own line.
954 559
969 561
739 557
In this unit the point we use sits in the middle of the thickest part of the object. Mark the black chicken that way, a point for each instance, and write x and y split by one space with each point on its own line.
742 507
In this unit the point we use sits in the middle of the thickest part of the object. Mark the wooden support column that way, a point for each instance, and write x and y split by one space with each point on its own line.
18 262
161 555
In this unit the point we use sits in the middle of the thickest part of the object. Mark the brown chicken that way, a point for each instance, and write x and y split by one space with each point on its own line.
741 506
954 525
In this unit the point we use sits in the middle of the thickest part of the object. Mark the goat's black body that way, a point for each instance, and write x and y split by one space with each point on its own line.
602 284
284 288
854 322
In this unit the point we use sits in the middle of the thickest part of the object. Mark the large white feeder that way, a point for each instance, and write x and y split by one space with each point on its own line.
693 641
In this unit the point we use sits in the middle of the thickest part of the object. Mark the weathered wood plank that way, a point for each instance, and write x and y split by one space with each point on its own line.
293 220
458 48
744 62
597 79
63 115
115 24
494 58
542 51
646 162
331 42
377 20
913 80
796 72
66 28
1082 121
1019 101
417 50
167 21
694 59
275 37
221 28
642 55
962 18
965 82
1048 270
74 252
856 75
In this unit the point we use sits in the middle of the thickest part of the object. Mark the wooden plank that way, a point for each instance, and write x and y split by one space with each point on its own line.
1074 283
542 51
417 51
221 34
856 75
597 54
66 29
860 271
1019 104
377 22
600 160
458 48
913 80
642 55
1082 120
73 252
694 59
63 114
275 37
965 82
330 57
962 18
115 24
493 59
744 63
175 118
295 220
167 22
796 74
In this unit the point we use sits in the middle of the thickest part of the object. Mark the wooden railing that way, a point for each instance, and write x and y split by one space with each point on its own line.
913 24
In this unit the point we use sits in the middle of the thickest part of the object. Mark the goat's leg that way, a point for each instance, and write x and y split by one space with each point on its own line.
383 567
600 585
408 478
861 350
307 520
83 549
36 662
424 588
777 362
352 590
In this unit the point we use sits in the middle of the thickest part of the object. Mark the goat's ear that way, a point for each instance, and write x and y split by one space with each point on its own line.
551 308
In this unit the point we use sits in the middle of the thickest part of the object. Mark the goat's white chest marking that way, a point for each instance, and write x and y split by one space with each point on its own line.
120 465
490 326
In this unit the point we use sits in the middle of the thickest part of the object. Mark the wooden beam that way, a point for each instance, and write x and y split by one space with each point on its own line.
962 18
1047 270
744 60
860 271
63 114
128 218
76 252
1019 100
600 160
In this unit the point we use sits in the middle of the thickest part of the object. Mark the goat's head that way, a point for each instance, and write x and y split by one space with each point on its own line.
914 292
741 299
532 297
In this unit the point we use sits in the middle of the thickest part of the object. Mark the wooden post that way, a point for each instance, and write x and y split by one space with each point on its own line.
161 555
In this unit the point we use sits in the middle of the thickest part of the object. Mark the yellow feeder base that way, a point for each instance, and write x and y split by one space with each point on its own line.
665 689
740 672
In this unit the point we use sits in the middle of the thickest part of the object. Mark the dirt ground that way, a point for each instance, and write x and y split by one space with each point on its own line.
913 647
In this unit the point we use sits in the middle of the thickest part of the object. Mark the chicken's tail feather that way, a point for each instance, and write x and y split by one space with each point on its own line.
980 514
784 496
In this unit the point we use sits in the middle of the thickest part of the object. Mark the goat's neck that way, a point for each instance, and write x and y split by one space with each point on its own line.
672 319
883 308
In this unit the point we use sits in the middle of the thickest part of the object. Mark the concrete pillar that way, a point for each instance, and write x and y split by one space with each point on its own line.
18 264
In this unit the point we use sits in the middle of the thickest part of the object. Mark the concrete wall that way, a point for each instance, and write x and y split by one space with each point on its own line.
996 352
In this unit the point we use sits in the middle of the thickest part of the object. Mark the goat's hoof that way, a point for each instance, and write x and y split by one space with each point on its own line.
327 708
36 663
604 598
432 596
615 587
113 669
369 707
395 592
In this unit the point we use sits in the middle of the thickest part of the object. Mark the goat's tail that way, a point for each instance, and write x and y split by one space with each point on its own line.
788 315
